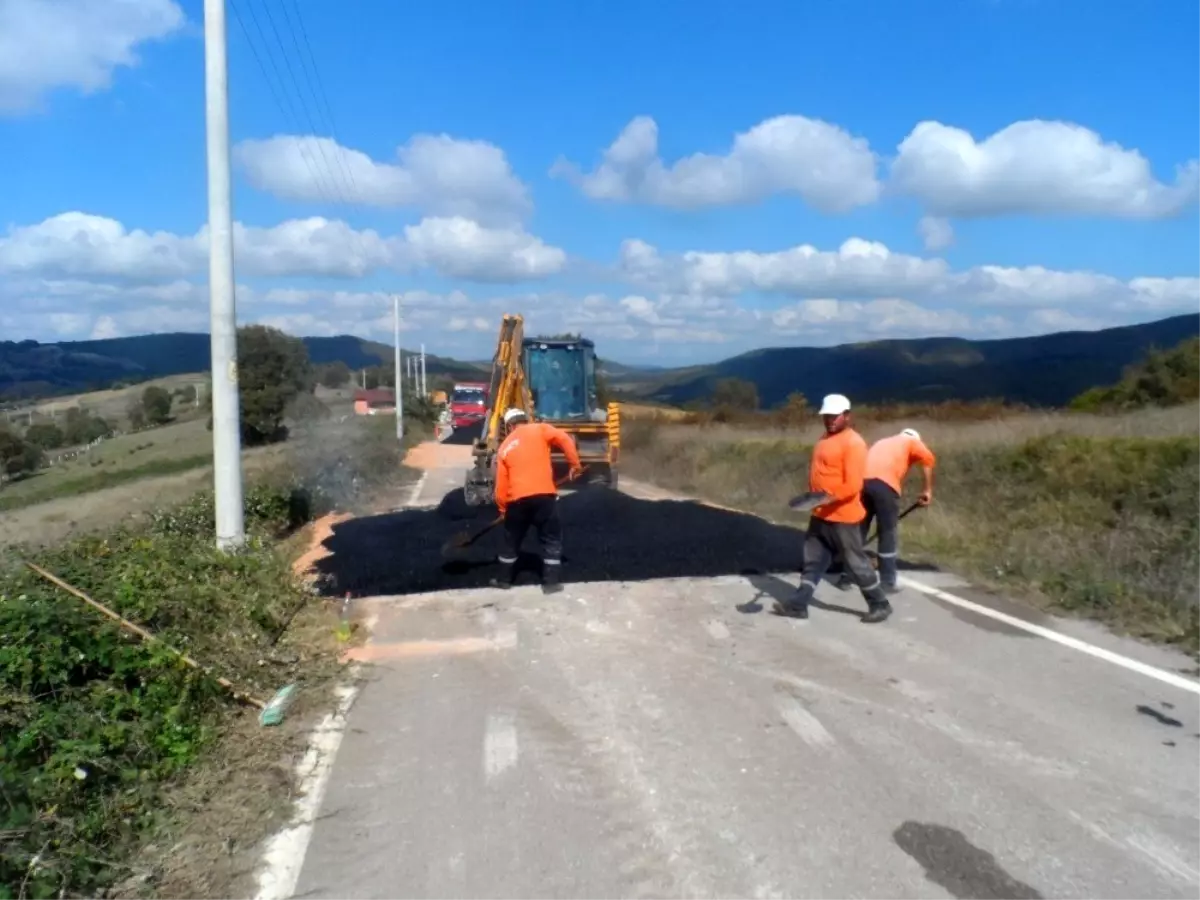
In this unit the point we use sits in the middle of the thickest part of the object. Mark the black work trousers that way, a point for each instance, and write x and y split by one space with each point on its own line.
539 512
883 506
827 541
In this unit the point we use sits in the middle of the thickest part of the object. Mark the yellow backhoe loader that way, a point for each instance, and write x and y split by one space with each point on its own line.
553 380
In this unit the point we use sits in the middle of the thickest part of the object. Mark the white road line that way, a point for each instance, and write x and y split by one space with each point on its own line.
1117 659
417 488
284 856
804 723
500 748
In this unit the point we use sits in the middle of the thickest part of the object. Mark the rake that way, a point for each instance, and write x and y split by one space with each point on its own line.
465 539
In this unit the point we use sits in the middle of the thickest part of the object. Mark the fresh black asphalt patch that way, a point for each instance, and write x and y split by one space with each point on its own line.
607 536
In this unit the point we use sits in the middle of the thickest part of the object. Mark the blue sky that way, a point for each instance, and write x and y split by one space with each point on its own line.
1080 212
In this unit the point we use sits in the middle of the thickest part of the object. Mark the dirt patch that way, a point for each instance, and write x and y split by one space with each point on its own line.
315 536
436 455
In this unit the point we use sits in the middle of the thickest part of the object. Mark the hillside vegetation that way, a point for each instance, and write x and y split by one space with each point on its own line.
1048 370
1094 515
29 369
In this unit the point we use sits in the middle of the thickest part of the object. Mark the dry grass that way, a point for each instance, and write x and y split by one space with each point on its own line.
112 404
1093 515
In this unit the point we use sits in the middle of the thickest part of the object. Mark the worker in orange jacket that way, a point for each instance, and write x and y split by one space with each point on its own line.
888 463
526 495
835 529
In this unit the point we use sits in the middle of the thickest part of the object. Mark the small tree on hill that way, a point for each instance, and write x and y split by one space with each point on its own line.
46 435
273 368
334 375
18 457
156 404
136 414
735 393
1163 378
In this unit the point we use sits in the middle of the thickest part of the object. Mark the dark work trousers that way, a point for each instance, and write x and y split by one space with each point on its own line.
883 505
827 541
539 512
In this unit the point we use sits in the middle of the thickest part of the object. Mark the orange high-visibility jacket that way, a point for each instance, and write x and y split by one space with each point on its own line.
523 466
890 458
839 462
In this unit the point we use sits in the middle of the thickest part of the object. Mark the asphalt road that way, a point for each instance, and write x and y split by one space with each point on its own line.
668 737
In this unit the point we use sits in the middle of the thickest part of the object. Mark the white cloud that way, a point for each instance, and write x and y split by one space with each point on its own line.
856 268
49 44
461 248
1034 167
437 174
827 167
80 245
867 270
937 234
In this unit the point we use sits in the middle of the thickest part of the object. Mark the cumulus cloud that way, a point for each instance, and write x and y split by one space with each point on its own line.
73 44
827 167
81 245
1030 167
866 270
437 174
1034 166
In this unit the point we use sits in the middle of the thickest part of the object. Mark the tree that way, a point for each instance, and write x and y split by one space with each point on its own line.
46 435
273 369
334 375
156 404
736 393
1163 378
187 395
18 457
794 410
82 427
136 414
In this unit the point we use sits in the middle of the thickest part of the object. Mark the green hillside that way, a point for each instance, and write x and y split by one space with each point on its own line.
1048 370
29 369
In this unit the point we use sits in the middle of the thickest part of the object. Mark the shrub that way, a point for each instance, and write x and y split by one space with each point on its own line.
94 723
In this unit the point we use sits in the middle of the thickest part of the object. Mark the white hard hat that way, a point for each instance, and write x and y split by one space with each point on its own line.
834 405
512 414
911 432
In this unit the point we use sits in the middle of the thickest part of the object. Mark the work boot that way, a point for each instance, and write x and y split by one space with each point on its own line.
877 612
504 578
845 582
551 583
891 589
795 606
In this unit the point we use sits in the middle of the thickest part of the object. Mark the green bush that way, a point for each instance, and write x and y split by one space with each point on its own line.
93 722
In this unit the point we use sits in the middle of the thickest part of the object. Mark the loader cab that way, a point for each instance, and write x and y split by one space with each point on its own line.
561 376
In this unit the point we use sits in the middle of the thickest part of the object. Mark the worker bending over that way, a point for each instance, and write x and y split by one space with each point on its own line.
835 528
526 495
888 463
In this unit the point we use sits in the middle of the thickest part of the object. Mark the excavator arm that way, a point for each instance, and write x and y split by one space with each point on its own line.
508 389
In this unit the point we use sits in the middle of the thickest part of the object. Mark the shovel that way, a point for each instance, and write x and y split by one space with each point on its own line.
808 501
465 539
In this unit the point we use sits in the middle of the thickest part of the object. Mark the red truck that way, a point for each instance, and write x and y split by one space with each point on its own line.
468 403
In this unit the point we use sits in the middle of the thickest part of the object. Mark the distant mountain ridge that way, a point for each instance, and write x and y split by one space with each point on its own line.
1047 370
30 369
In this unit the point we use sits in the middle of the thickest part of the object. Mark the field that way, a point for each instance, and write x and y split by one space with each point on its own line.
110 404
1094 515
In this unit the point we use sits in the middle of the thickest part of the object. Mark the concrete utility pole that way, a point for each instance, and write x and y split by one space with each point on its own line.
227 439
399 379
424 388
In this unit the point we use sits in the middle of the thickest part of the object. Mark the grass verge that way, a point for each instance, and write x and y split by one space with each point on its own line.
111 750
98 481
1099 526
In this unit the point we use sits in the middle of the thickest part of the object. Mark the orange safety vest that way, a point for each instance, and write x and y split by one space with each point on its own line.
523 462
890 458
838 463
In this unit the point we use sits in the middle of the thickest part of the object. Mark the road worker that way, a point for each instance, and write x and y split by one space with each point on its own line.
888 463
835 529
526 495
